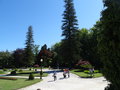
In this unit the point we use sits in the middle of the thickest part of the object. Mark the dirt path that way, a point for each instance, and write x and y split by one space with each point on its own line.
72 83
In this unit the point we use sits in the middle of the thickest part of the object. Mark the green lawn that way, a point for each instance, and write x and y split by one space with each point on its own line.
27 73
35 74
16 84
85 75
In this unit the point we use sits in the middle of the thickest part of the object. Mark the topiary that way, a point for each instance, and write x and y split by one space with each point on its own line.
13 72
31 76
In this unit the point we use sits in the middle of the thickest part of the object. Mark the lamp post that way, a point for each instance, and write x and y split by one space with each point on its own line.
41 60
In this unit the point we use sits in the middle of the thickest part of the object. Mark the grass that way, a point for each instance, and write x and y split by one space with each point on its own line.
16 84
3 72
35 74
27 73
86 75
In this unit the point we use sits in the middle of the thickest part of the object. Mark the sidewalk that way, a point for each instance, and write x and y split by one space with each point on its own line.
72 83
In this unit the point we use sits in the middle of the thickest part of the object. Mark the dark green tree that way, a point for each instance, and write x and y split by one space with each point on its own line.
18 58
57 60
94 54
109 43
70 45
29 55
6 59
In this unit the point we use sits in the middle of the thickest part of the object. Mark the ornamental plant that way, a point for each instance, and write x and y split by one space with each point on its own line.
85 64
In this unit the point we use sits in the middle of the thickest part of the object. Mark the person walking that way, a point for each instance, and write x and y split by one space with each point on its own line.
54 75
68 73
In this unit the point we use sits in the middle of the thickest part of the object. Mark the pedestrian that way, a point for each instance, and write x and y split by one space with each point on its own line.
54 75
64 74
68 73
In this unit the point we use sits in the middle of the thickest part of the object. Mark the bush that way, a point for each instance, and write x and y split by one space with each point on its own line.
8 78
4 69
16 69
31 77
13 72
30 69
20 70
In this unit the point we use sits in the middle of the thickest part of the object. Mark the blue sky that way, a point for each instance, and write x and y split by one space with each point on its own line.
45 16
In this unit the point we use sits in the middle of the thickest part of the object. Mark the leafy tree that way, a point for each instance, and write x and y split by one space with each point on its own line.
18 56
57 60
36 52
70 46
29 55
94 55
45 54
6 59
109 43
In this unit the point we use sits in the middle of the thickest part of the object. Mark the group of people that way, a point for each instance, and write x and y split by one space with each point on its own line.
66 73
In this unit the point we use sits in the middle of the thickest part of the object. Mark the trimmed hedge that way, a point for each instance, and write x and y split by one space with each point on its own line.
31 77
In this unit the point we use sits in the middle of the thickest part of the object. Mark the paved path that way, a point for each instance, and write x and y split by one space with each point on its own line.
72 83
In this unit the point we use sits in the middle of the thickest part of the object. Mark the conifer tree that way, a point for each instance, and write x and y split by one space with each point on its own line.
70 46
29 55
109 43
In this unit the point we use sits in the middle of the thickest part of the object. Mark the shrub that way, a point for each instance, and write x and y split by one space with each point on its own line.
4 69
31 77
13 72
30 69
8 78
20 70
16 69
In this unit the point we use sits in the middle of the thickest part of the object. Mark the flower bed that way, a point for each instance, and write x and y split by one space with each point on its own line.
8 78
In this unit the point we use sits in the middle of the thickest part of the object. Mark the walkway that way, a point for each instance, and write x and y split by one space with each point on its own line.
72 83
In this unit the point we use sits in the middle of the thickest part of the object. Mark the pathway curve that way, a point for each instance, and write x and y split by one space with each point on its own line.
72 83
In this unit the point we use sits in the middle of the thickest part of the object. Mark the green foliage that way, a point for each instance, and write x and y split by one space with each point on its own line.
57 58
70 46
85 73
29 55
86 66
45 54
89 48
109 42
13 72
20 70
31 77
6 59
18 57
4 69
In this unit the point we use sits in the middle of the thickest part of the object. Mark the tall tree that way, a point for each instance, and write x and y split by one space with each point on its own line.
70 46
29 55
109 43
45 54
6 59
18 56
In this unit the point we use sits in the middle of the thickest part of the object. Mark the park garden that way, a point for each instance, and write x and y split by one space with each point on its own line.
80 50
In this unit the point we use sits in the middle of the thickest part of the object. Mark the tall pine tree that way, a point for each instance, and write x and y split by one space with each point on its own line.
70 46
29 55
109 43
